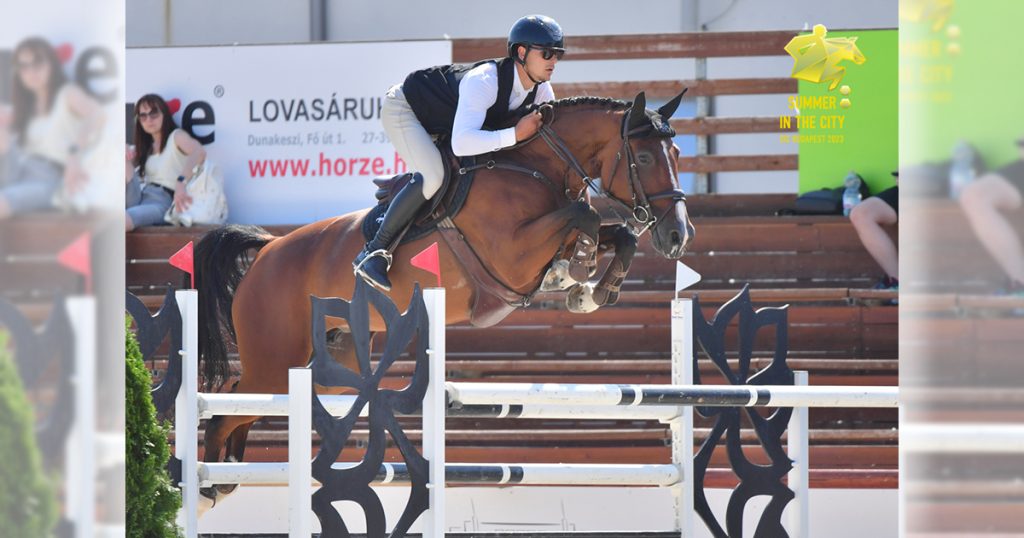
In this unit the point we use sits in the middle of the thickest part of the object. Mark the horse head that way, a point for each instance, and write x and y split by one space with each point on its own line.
643 177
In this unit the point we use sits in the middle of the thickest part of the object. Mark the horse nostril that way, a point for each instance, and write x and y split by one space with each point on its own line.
676 240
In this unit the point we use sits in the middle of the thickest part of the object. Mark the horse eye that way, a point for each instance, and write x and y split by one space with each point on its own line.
644 158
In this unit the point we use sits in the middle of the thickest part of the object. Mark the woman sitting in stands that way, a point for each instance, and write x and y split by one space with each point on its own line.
164 158
42 136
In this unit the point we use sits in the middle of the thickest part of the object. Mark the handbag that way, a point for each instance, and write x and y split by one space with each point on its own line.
823 201
820 202
209 206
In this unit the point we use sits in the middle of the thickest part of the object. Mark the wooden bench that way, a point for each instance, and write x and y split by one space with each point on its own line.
30 244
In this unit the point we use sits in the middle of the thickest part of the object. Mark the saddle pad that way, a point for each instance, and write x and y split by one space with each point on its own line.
453 198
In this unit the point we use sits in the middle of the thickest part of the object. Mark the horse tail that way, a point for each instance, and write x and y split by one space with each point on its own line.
221 260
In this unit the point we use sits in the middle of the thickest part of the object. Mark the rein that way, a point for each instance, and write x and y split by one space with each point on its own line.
642 217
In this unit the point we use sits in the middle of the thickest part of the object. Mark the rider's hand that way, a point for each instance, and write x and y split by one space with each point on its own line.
528 126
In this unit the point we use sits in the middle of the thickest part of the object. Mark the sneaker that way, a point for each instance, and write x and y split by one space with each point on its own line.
889 283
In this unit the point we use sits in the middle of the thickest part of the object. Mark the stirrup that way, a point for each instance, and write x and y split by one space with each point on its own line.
377 253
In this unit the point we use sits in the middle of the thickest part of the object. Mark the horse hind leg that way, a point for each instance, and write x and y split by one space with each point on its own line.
228 432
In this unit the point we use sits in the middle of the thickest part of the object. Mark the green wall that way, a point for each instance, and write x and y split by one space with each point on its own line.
979 101
869 133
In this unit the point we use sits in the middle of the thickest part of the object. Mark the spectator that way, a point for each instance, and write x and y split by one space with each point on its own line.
50 123
164 157
985 202
868 218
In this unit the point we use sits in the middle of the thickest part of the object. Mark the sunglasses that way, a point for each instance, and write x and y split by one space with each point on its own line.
550 52
152 114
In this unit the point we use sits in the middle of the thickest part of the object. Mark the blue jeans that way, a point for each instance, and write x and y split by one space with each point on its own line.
146 203
29 182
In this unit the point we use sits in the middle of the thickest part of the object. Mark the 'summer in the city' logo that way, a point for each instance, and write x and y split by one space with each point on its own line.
817 58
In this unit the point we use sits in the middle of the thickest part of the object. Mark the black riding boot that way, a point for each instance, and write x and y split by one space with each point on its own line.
373 262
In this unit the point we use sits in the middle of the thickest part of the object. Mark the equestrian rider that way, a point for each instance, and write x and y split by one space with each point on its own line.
470 103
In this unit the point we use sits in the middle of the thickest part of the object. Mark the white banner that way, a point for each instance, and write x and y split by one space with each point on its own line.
295 128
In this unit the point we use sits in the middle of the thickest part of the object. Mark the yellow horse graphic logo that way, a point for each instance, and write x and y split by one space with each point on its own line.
817 57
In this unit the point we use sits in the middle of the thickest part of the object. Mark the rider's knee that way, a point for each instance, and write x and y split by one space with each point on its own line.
431 184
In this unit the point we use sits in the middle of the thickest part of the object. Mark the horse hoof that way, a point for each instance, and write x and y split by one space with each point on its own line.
557 278
580 299
207 500
225 489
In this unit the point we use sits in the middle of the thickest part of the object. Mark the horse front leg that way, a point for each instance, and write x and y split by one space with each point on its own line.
584 298
624 243
547 236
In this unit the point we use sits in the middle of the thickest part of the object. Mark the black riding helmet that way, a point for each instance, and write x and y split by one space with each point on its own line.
537 31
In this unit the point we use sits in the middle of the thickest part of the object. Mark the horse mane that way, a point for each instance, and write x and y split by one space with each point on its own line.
581 100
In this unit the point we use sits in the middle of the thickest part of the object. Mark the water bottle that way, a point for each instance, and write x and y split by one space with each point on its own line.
851 196
962 171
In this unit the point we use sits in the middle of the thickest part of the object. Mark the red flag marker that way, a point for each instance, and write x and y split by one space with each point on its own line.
183 260
77 257
429 261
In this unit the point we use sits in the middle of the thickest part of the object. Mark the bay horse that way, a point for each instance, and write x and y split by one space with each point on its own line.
523 212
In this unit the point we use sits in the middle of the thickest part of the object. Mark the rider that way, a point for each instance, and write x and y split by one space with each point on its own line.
470 103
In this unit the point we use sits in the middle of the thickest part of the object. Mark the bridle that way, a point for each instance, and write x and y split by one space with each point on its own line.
640 217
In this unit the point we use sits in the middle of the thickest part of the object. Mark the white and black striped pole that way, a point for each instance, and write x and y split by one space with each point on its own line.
640 396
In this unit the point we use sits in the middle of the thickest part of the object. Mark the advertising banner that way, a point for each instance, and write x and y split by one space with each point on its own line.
295 128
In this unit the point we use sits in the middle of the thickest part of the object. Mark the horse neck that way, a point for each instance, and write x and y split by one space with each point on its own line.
585 132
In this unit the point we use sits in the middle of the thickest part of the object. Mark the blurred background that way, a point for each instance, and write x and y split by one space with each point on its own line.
61 268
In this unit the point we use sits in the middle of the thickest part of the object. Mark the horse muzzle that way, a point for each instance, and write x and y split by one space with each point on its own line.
671 238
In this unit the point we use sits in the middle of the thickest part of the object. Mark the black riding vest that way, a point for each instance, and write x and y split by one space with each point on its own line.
433 94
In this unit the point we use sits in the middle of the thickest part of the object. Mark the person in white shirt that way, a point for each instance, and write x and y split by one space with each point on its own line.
51 121
158 168
480 106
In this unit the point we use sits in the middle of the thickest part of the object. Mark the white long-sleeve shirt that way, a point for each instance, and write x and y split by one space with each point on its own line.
478 92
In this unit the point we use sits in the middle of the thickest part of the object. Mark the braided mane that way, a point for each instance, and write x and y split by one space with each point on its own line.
581 100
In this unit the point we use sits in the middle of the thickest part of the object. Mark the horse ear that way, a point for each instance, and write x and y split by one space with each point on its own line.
640 103
638 114
670 107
